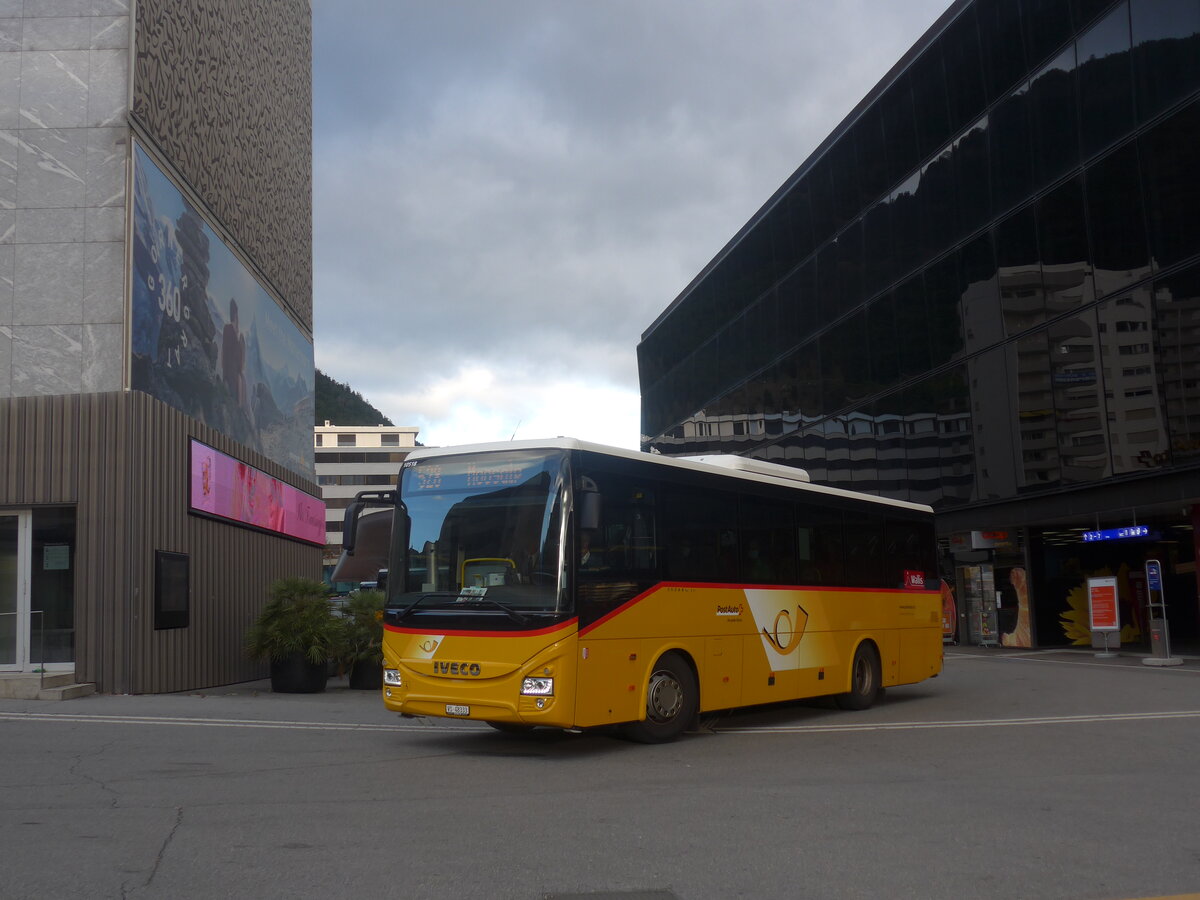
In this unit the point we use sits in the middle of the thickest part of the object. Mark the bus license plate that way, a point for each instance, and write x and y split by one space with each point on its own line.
452 710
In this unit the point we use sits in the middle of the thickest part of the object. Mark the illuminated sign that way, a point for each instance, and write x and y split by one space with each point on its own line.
229 489
1117 534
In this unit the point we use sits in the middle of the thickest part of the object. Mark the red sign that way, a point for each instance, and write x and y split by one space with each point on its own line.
1102 600
914 581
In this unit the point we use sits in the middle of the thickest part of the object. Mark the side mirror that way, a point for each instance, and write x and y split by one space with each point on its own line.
590 506
350 526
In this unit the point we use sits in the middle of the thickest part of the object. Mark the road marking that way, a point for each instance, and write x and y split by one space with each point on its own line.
215 723
964 723
1031 657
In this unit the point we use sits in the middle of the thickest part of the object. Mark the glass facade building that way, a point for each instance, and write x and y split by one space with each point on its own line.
981 292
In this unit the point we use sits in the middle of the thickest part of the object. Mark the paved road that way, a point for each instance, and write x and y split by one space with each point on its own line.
1036 775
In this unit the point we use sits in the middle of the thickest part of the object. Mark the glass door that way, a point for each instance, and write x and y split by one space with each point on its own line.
14 590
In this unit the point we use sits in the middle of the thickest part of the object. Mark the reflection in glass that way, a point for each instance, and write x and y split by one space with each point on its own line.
1166 52
1168 154
1028 362
9 587
1062 234
1105 91
1132 399
1012 158
1116 221
971 175
1022 296
1078 402
1055 130
1177 306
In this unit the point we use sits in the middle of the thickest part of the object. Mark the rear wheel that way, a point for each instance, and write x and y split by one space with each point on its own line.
672 700
865 679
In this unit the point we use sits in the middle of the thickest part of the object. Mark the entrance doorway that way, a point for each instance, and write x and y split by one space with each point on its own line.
37 608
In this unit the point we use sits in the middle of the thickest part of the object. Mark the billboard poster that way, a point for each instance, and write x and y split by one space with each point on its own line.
227 488
206 336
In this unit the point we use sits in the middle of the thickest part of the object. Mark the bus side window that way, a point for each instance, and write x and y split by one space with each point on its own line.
819 545
909 548
768 551
864 549
701 536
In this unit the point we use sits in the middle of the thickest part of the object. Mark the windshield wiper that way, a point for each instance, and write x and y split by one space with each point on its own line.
421 599
512 613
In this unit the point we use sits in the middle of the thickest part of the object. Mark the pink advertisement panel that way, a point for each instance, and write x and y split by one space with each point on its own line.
224 487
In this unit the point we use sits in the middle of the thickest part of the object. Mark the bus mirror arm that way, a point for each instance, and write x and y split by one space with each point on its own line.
362 500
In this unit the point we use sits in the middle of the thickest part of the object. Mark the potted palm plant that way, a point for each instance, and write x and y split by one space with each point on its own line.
298 633
362 647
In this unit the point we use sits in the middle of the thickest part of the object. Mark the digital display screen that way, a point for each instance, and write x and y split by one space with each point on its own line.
1117 534
480 473
229 489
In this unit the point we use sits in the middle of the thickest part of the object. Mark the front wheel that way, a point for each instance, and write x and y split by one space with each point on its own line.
865 678
672 700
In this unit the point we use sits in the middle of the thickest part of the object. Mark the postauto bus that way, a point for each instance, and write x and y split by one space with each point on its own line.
565 584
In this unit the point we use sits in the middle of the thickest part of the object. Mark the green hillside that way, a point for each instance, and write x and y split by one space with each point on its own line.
340 404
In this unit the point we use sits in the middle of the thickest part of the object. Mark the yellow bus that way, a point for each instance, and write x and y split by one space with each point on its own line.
571 585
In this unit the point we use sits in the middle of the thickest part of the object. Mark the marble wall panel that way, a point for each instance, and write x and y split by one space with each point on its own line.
110 33
10 157
107 153
59 33
104 223
51 167
103 363
52 8
48 286
8 226
49 226
10 33
7 257
46 359
108 88
5 361
104 283
10 90
54 88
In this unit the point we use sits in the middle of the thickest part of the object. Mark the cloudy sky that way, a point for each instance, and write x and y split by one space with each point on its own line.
508 193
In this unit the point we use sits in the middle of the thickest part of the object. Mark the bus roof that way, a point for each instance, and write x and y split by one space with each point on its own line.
727 466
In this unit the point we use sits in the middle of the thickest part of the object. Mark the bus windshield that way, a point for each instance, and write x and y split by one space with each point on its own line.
484 532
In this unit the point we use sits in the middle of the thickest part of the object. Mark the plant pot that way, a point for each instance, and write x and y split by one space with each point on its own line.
366 675
296 675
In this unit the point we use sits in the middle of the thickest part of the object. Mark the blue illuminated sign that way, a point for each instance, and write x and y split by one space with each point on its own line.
1117 534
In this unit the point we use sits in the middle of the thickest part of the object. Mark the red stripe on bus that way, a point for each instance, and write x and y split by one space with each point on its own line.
534 632
906 592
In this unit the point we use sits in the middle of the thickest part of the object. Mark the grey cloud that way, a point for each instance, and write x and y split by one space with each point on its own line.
536 181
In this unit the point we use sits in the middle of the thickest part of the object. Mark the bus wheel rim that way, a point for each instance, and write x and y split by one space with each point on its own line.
665 697
862 675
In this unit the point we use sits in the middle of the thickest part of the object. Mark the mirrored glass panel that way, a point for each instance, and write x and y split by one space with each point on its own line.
1177 306
1168 156
1116 221
1166 52
1078 398
1062 236
1105 89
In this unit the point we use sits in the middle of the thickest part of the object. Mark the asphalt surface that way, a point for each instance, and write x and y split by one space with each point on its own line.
1013 775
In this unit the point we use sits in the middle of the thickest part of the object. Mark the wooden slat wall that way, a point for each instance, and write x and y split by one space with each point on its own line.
122 460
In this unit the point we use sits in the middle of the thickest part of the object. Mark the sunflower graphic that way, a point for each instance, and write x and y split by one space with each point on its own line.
1075 619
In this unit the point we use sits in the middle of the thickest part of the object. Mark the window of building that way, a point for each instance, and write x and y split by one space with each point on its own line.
320 440
389 440
1105 88
347 440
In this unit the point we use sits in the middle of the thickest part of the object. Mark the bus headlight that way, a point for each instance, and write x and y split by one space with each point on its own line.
391 677
537 686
